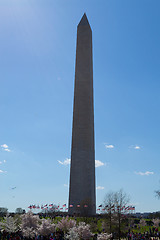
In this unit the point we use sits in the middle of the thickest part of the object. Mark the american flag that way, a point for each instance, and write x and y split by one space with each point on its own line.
131 208
122 208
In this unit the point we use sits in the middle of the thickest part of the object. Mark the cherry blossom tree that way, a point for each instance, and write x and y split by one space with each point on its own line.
83 230
156 222
46 227
30 224
72 234
104 236
65 224
9 224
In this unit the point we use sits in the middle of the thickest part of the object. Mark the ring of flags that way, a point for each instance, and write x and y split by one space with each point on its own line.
50 206
113 208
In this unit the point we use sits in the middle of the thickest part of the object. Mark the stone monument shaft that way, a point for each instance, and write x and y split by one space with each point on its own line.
82 171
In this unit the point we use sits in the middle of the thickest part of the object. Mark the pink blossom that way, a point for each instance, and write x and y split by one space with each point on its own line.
30 224
156 222
65 224
83 230
9 224
46 227
104 236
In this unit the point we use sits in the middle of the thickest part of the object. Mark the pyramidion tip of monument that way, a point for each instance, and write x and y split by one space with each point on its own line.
84 21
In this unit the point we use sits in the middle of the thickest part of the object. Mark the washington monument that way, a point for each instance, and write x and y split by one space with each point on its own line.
82 198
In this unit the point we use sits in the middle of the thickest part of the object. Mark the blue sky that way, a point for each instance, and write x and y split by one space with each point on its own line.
37 48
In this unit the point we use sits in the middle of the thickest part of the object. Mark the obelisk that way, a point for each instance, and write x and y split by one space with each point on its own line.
82 198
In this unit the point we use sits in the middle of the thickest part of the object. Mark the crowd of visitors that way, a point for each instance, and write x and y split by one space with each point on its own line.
143 236
59 235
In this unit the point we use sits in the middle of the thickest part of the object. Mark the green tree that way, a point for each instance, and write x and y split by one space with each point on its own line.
19 211
3 211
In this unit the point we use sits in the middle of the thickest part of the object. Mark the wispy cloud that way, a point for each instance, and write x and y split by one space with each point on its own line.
99 188
1 171
4 146
109 146
147 173
4 161
7 150
98 163
67 161
136 147
65 185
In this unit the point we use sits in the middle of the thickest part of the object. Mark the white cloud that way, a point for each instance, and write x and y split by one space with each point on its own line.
4 146
67 161
4 161
65 185
7 150
99 188
98 163
1 171
109 146
147 173
137 147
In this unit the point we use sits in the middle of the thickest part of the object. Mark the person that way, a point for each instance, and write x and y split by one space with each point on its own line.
95 237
